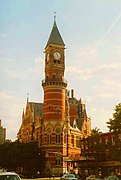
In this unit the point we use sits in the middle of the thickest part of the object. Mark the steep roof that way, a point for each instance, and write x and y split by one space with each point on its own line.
55 37
37 107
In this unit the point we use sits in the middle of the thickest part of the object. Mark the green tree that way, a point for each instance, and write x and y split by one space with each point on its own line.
25 158
114 124
94 146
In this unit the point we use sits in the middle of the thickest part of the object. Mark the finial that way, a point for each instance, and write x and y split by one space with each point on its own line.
55 18
55 15
27 97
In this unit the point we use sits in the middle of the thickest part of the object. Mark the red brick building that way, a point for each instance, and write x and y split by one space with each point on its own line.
100 157
61 120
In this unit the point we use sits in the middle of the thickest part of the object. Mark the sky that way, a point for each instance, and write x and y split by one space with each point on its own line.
91 30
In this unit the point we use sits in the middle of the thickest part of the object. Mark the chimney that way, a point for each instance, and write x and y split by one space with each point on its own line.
72 93
68 94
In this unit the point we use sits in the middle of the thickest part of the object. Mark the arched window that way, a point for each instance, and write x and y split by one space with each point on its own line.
60 77
72 140
58 138
77 141
58 135
48 138
54 77
65 140
58 161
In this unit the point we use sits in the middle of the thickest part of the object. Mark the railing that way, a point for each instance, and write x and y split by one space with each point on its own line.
54 82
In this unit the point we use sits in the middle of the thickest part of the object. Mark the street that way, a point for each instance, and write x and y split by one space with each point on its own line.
52 178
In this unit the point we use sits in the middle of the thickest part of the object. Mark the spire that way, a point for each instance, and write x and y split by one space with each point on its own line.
27 97
55 37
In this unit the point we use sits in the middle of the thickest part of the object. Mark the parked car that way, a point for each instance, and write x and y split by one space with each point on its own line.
93 177
9 176
69 177
113 177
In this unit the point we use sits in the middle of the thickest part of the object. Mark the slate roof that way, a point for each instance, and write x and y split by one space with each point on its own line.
55 37
38 108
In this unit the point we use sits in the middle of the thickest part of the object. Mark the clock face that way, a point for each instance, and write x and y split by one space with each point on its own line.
57 55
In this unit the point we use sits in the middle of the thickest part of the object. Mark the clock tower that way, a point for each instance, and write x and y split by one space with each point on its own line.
54 86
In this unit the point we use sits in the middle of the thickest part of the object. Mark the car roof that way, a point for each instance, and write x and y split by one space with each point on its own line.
7 173
69 175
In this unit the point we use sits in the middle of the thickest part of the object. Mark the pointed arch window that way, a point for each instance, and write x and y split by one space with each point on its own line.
58 161
60 77
58 135
65 140
77 141
54 77
72 140
58 138
48 138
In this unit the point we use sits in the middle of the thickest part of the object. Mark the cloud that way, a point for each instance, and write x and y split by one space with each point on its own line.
39 60
87 51
115 66
14 74
109 30
118 50
5 97
99 117
34 69
98 72
37 68
107 93
79 74
10 113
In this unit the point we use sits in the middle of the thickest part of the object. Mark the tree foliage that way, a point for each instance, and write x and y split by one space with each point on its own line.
94 147
24 158
114 124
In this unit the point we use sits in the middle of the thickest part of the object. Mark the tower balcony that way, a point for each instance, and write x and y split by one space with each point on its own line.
56 82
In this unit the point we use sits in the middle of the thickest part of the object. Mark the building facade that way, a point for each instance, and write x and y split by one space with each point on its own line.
102 156
61 120
2 133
